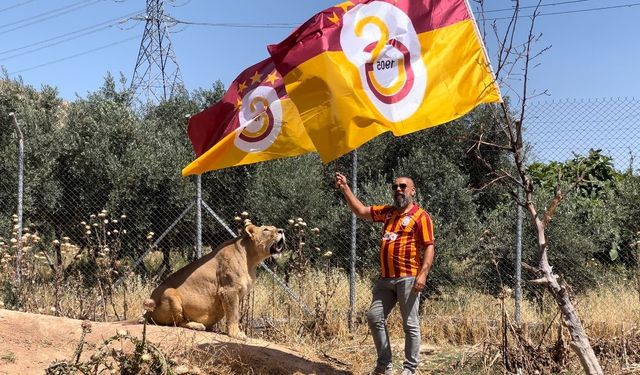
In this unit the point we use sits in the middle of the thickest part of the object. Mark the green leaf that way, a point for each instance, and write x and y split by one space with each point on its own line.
613 253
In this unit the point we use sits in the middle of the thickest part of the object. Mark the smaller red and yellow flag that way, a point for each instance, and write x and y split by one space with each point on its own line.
254 121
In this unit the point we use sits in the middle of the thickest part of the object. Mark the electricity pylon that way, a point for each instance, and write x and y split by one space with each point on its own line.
156 76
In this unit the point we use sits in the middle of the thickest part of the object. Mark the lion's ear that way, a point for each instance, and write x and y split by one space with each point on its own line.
250 230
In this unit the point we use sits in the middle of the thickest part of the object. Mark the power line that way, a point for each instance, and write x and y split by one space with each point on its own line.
570 11
238 25
71 36
48 15
15 6
536 6
275 25
292 25
54 44
76 55
172 3
43 14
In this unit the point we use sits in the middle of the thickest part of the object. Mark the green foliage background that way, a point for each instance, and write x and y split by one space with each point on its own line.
97 153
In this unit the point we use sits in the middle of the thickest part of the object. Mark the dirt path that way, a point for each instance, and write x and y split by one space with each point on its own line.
30 342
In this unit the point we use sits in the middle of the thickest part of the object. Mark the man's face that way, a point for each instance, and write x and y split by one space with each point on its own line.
403 192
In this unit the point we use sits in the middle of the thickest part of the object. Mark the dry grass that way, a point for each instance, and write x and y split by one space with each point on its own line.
458 317
461 326
74 301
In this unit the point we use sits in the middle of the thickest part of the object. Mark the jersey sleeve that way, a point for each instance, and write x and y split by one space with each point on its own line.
379 213
424 230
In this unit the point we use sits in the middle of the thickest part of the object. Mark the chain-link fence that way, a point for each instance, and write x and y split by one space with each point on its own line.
107 216
598 221
557 130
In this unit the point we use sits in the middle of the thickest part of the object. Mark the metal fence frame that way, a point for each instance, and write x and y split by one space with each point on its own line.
199 204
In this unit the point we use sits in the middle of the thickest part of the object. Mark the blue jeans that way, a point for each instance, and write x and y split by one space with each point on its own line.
386 292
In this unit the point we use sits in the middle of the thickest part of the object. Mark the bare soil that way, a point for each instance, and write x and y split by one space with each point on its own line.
29 343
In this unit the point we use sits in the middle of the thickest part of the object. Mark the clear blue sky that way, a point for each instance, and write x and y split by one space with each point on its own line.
72 44
593 54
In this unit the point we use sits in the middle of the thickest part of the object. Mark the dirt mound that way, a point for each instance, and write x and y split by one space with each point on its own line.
30 342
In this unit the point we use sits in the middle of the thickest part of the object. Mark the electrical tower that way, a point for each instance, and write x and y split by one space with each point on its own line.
156 76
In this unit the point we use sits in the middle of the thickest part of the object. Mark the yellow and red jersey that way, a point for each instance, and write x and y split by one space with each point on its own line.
404 236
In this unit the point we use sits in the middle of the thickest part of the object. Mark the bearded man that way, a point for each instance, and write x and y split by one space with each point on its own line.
406 255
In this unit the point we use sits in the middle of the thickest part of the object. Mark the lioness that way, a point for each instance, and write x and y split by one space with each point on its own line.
199 294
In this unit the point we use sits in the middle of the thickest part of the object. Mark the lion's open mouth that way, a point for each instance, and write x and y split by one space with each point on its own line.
277 246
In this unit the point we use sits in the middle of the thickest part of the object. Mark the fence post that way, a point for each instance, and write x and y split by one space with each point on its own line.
352 263
518 281
20 191
198 216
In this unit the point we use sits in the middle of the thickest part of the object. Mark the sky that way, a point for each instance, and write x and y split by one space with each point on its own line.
73 44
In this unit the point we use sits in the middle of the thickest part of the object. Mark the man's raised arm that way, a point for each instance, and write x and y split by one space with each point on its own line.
353 202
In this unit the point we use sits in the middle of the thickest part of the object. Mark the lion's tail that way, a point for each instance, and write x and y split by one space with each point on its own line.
149 304
130 322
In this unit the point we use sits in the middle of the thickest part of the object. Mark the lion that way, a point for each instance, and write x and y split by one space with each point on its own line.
200 294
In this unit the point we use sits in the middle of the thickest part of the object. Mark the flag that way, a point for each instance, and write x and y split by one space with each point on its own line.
254 121
366 67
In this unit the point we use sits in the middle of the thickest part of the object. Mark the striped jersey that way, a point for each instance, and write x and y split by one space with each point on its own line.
404 236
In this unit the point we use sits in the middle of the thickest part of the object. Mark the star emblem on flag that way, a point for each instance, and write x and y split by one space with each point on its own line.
254 121
334 17
272 78
242 86
257 77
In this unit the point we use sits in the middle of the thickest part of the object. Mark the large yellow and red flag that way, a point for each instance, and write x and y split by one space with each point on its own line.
254 121
365 67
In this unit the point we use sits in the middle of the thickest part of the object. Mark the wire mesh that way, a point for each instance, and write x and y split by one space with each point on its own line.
594 234
557 130
100 233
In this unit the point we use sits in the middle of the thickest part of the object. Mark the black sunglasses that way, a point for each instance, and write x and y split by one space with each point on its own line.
395 186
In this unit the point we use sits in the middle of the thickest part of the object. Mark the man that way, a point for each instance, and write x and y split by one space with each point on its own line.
406 254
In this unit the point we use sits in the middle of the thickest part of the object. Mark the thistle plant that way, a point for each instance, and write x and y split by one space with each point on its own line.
95 261
103 237
114 356
299 261
9 263
325 296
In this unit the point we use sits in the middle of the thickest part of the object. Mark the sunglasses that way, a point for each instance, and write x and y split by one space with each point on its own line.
394 187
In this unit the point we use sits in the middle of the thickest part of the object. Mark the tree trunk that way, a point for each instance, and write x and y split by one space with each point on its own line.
579 340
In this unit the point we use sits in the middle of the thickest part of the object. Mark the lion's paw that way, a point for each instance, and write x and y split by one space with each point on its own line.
195 326
239 335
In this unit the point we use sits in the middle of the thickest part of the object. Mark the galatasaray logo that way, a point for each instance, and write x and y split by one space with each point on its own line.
260 120
380 40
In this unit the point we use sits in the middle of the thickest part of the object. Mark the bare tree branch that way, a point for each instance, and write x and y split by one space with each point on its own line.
510 58
559 196
504 51
493 145
541 281
533 270
489 184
